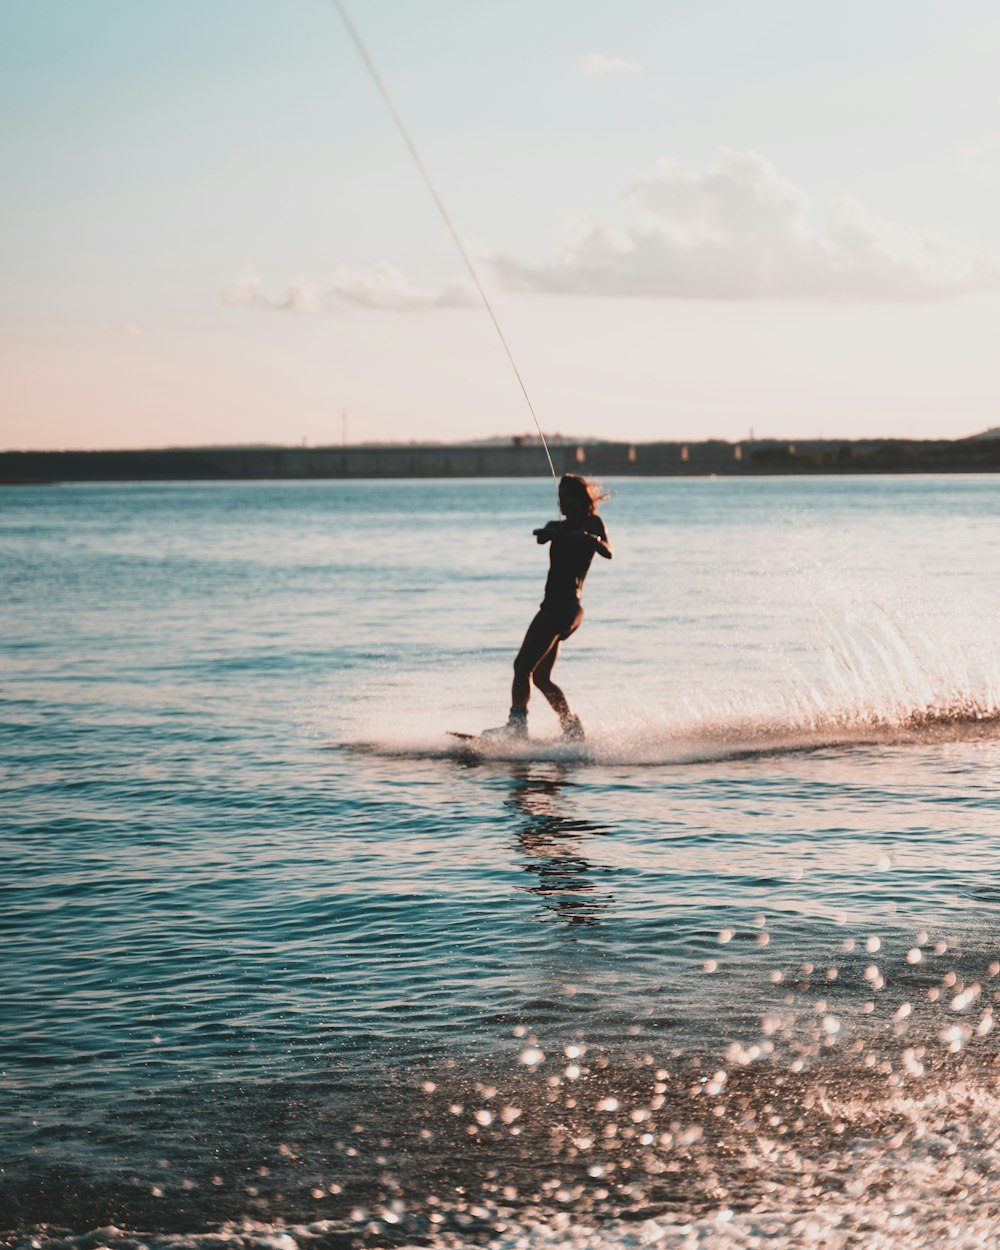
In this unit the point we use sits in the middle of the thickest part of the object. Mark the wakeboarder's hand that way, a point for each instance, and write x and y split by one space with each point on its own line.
547 532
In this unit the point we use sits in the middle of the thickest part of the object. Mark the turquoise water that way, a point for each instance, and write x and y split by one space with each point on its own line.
266 927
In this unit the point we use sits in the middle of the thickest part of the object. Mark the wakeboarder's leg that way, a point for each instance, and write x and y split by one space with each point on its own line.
542 677
539 640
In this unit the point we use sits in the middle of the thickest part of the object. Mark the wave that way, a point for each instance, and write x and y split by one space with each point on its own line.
814 1166
838 1223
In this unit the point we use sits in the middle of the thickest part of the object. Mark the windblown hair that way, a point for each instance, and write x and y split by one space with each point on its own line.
577 494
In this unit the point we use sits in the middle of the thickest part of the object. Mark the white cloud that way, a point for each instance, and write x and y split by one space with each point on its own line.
244 290
383 287
739 230
594 65
300 297
386 288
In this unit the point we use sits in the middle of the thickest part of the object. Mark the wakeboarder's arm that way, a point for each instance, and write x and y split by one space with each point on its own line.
600 539
547 532
595 534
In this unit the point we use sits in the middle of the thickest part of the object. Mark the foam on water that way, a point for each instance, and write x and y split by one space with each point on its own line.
907 1164
836 1224
839 1118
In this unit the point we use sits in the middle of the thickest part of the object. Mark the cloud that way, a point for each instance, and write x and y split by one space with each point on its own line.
244 289
739 230
594 65
386 288
300 297
383 287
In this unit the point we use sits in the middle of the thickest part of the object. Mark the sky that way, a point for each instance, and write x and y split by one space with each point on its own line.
693 218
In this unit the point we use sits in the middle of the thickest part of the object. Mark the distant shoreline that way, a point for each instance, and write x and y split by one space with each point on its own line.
521 457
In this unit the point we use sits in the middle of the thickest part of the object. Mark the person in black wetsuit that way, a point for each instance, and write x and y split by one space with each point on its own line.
575 540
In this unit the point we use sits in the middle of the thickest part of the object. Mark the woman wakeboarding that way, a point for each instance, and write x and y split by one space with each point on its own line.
575 540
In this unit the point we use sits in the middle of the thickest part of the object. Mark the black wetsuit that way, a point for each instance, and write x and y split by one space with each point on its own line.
569 562
574 545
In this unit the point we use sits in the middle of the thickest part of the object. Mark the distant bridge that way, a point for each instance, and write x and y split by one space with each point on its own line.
519 458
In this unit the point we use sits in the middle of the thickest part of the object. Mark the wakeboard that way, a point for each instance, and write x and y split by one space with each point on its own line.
488 746
500 743
476 741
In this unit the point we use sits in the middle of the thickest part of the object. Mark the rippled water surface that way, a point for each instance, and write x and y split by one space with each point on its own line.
285 964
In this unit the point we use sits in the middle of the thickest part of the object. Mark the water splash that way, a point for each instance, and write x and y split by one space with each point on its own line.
878 681
712 736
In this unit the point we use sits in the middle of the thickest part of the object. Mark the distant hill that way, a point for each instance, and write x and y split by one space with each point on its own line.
986 434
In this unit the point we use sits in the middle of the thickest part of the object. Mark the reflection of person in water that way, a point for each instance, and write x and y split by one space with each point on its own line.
551 843
575 541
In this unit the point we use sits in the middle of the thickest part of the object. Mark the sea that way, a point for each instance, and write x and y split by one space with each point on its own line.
285 966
